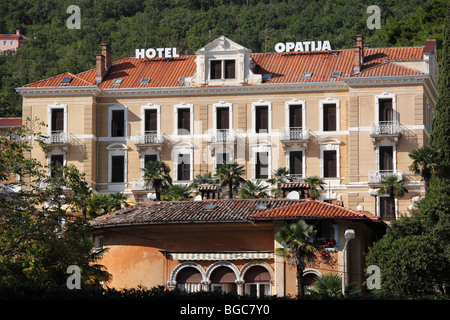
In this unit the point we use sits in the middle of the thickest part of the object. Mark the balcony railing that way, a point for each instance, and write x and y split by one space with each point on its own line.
378 176
222 135
385 128
296 177
149 137
294 134
139 184
56 137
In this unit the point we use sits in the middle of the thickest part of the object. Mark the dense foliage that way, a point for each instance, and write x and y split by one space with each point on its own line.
188 25
414 256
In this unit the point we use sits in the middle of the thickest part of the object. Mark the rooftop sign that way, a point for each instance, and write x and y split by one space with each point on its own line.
160 52
303 46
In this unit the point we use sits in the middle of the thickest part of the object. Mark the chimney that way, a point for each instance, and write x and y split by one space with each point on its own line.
99 68
358 54
106 52
18 32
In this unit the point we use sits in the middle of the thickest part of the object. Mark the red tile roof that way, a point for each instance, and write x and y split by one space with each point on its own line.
10 122
229 210
312 209
284 67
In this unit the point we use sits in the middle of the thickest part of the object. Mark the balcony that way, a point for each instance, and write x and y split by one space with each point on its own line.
375 177
385 129
149 139
139 184
293 135
222 136
56 138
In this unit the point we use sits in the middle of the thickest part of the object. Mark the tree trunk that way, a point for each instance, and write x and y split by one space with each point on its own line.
300 288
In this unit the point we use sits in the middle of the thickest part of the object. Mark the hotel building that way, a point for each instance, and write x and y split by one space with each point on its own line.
350 116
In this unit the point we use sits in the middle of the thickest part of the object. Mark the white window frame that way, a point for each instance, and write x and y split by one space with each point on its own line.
329 100
151 106
183 147
295 102
222 104
330 144
55 152
258 293
125 121
148 151
386 143
385 95
117 149
56 105
222 69
262 103
184 105
288 158
262 146
378 206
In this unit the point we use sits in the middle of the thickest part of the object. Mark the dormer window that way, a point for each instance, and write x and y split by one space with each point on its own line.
222 69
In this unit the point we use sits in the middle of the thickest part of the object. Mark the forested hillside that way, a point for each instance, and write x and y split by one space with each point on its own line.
188 25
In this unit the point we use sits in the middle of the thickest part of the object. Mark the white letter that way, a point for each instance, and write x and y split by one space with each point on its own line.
140 53
299 46
74 281
374 21
373 282
326 45
150 53
160 52
319 47
306 43
280 47
74 21
289 46
174 53
167 53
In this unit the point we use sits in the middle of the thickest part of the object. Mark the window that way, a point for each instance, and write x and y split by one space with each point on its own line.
11 42
57 121
118 123
329 117
222 69
386 159
5 42
184 121
118 168
184 167
262 165
296 162
99 243
150 158
261 119
387 205
151 120
385 110
223 118
295 116
329 164
56 161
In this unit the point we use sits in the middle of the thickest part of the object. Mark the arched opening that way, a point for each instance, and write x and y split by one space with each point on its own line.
189 279
308 281
223 279
257 281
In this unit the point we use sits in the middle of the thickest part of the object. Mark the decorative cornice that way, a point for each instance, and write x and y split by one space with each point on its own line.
59 91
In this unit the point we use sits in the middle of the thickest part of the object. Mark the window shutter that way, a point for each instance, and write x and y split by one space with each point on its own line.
151 120
184 121
262 165
230 69
295 116
296 162
57 120
330 164
386 158
329 117
262 119
216 69
223 118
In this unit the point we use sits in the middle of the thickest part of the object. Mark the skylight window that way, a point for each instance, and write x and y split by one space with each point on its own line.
336 74
145 80
262 206
266 77
307 75
117 81
66 80
209 207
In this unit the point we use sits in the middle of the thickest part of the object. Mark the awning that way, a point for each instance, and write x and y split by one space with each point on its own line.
236 255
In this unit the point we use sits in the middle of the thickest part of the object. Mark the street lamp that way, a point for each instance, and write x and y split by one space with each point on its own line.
348 235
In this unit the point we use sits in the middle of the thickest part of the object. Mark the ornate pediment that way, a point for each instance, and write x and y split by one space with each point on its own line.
222 45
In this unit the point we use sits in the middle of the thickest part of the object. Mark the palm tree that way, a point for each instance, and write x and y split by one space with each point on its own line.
278 176
314 183
327 286
230 174
423 163
298 247
206 178
251 190
179 192
394 188
156 175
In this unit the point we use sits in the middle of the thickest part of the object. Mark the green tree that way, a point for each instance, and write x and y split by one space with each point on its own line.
253 190
179 192
314 183
156 175
423 164
230 175
298 248
38 239
394 188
